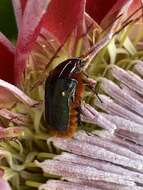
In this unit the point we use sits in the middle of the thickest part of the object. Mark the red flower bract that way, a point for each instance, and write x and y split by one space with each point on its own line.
99 8
59 18
63 16
106 11
7 53
23 4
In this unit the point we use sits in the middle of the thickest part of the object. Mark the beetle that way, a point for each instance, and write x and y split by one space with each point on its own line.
63 92
64 87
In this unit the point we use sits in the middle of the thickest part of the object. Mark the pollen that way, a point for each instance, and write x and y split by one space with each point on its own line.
63 93
43 45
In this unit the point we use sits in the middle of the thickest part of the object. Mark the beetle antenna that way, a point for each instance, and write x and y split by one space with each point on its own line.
137 10
126 24
141 2
111 23
104 41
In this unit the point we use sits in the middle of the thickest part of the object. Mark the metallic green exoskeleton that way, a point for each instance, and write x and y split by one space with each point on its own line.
60 91
59 94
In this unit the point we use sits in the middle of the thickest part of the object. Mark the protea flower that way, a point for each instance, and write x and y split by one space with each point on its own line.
50 32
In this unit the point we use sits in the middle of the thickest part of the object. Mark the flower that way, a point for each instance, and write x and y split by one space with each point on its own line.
48 34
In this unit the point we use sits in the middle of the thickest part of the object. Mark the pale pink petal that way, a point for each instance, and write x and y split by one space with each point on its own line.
29 30
4 185
17 11
6 98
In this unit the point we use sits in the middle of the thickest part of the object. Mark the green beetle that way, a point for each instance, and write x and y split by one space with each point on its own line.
63 91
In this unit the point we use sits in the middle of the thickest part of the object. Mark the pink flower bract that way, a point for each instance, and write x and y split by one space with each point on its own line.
60 18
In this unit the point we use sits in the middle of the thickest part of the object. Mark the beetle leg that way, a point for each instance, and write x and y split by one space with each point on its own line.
95 91
85 74
92 85
73 95
72 90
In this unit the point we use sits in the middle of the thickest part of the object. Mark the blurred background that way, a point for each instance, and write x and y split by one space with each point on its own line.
7 20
